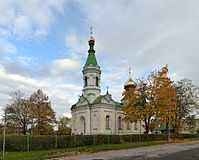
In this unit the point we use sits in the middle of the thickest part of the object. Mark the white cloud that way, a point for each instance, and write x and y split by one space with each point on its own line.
146 34
61 95
22 25
60 66
76 44
25 60
25 20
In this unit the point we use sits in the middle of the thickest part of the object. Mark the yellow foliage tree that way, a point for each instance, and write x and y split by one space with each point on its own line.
152 102
163 97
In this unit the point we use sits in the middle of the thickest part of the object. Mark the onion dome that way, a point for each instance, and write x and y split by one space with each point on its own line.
91 59
129 83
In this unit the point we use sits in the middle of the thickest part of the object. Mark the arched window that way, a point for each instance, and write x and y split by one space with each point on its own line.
119 123
82 125
97 81
128 125
85 81
107 122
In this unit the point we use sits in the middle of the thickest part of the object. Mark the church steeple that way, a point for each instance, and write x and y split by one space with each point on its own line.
91 73
91 59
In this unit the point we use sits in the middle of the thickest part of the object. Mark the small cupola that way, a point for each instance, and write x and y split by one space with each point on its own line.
91 59
129 83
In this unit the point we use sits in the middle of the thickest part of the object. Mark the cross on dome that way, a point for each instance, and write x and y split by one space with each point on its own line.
91 29
91 32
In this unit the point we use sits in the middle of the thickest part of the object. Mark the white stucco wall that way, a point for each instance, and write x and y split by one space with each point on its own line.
95 121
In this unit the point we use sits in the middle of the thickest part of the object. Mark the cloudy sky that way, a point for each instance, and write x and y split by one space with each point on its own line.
44 43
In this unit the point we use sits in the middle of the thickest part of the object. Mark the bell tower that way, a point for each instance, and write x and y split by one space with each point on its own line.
91 73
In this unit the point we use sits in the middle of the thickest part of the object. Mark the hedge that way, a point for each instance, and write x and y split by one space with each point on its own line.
43 142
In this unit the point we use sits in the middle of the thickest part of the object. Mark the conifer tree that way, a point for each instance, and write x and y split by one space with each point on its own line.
42 114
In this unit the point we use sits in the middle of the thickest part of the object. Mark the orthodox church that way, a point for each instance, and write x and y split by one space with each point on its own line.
95 113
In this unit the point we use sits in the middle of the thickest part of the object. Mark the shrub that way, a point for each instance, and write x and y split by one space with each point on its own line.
42 142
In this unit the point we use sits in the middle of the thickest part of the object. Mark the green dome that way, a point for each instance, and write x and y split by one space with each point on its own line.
91 59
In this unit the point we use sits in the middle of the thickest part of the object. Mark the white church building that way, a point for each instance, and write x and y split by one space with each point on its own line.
95 113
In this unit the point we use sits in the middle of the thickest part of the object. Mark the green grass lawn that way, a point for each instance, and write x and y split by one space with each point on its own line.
39 155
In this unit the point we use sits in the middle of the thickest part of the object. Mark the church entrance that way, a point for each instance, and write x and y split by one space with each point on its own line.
82 125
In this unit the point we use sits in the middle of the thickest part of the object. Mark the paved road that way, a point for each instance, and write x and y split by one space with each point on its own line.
172 151
192 154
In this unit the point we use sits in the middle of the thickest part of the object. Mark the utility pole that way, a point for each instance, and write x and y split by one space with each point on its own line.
4 135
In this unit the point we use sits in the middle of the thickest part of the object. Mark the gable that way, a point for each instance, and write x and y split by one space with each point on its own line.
82 101
104 99
107 101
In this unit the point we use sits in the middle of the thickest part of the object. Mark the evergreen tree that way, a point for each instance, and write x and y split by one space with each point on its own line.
42 114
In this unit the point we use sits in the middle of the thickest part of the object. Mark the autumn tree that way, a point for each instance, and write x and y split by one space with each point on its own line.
130 109
64 126
152 102
42 113
18 113
187 101
163 102
146 111
136 106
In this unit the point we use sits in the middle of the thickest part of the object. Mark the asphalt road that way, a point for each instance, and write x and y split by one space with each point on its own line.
169 151
192 154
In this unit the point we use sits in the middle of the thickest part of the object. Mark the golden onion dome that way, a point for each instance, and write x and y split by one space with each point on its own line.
129 83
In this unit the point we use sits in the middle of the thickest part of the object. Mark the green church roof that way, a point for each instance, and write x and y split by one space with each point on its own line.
118 104
98 99
91 59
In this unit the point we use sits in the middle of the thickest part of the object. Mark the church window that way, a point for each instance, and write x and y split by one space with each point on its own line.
135 125
119 123
128 127
95 123
107 122
85 81
97 81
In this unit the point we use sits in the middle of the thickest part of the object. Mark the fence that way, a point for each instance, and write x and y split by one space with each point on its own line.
43 142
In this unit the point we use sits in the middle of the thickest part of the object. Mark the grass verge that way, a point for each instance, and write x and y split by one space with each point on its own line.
45 154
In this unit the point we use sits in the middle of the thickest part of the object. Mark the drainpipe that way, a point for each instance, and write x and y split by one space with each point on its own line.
90 118
115 118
